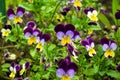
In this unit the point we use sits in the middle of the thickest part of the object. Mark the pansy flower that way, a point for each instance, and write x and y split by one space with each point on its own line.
31 24
65 10
25 66
17 18
92 14
6 30
72 51
14 68
76 3
31 35
41 39
66 69
108 46
65 33
89 45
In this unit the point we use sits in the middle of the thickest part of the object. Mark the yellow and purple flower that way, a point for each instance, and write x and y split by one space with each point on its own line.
92 14
76 3
41 39
66 33
66 69
89 45
108 46
17 18
31 34
25 66
6 30
14 68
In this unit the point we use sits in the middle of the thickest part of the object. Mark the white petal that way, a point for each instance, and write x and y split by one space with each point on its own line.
105 47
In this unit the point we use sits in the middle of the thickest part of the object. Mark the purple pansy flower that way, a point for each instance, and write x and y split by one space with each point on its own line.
89 45
14 68
31 34
66 33
41 39
6 30
17 18
117 14
66 69
108 46
25 66
91 13
31 24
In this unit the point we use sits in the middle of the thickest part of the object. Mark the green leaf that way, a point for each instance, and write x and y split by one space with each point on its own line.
104 20
113 74
28 7
33 52
89 72
6 65
46 76
51 47
5 70
95 27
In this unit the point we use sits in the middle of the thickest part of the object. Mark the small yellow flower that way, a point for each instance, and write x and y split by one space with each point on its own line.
93 15
77 3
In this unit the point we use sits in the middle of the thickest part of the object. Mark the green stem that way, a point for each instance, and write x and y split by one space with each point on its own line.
3 8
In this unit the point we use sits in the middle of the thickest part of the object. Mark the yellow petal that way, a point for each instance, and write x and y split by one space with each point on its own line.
109 53
32 40
77 3
65 77
22 71
65 40
17 19
39 46
12 74
92 52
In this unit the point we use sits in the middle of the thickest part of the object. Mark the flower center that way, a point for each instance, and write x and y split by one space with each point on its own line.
12 74
39 47
17 19
90 31
65 77
93 17
65 40
92 52
5 33
31 40
77 3
109 53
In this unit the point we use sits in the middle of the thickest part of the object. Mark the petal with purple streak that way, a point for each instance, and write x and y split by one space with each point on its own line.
70 33
76 35
73 66
12 64
90 40
20 11
10 13
71 73
60 72
28 29
60 35
113 46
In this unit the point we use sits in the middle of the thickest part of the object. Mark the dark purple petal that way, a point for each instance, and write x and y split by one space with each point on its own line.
92 23
104 41
6 55
70 48
26 79
59 27
13 64
118 68
103 11
46 37
91 9
88 9
66 9
19 79
27 65
17 67
60 72
29 30
117 14
10 13
69 27
31 24
73 66
7 27
76 34
90 40
84 42
20 11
